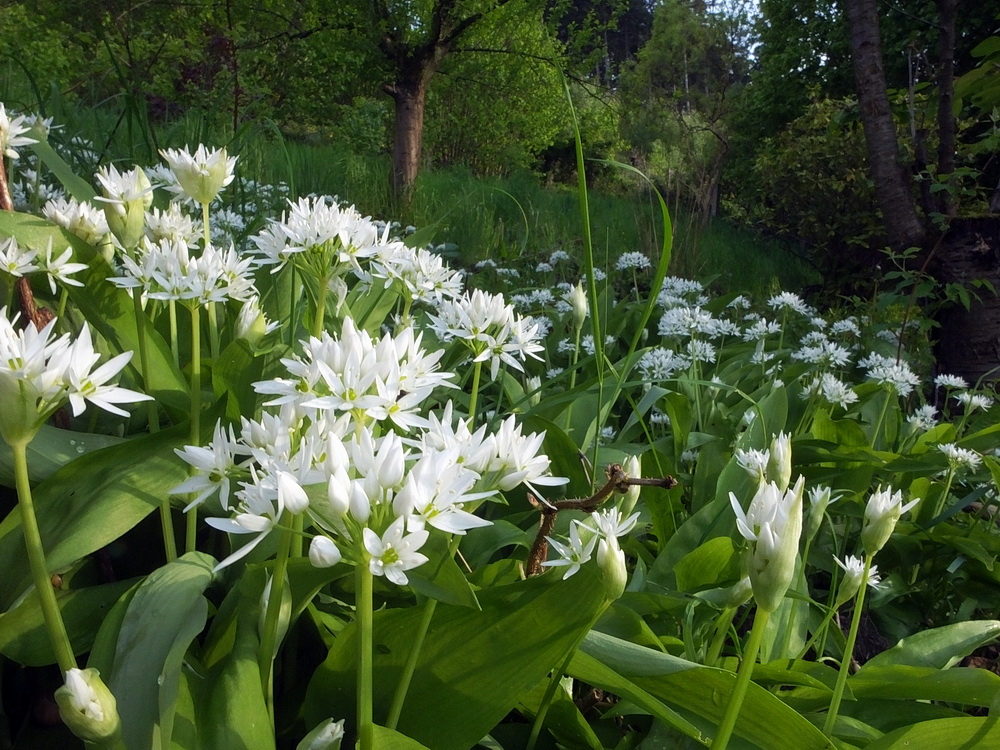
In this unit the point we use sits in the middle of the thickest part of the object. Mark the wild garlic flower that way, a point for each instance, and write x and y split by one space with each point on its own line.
659 364
173 226
575 553
12 136
395 552
126 196
422 276
773 523
489 328
39 373
323 552
950 381
682 322
882 512
973 401
82 219
832 390
319 237
960 458
824 354
821 497
789 301
60 267
635 260
854 570
17 260
760 329
325 736
203 174
372 380
754 462
923 418
896 375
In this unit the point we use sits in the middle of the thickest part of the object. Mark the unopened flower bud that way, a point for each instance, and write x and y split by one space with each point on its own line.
326 736
881 514
779 465
632 466
126 196
203 174
323 553
251 324
820 498
87 707
533 386
578 300
290 494
611 561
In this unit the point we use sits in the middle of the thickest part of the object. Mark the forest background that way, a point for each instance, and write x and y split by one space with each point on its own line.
744 114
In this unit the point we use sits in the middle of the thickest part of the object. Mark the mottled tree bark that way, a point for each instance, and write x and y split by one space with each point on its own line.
892 184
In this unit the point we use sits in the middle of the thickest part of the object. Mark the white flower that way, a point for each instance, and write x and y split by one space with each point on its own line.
754 462
326 736
574 554
394 553
950 381
959 458
203 174
259 510
773 522
923 418
854 569
660 364
16 260
788 301
60 267
973 401
11 134
82 219
215 465
883 510
896 375
87 707
632 260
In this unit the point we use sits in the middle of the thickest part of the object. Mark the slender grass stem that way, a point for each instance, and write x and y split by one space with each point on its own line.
845 662
399 697
364 615
272 619
725 732
58 637
722 625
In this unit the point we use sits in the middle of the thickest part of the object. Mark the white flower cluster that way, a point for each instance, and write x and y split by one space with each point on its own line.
39 373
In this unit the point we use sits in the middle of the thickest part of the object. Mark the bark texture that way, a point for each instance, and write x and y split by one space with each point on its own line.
903 226
969 340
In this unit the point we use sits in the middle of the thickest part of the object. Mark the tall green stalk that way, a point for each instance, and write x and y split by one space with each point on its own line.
477 368
364 619
269 638
58 637
725 732
195 433
845 662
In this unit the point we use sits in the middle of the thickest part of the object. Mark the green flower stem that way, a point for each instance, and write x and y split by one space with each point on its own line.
195 434
476 373
550 692
845 662
54 624
205 234
298 535
881 418
722 737
153 417
363 612
61 308
213 331
411 664
319 314
572 374
399 697
269 638
174 344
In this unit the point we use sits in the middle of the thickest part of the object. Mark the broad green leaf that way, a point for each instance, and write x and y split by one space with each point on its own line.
475 665
441 578
480 544
75 185
564 456
92 501
50 449
234 715
963 685
943 734
699 692
166 613
939 647
710 564
234 372
24 638
390 739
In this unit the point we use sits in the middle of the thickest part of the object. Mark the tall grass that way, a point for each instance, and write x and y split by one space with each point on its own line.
511 220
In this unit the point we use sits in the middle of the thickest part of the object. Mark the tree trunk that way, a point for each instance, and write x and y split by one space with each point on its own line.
410 97
892 184
946 98
969 340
